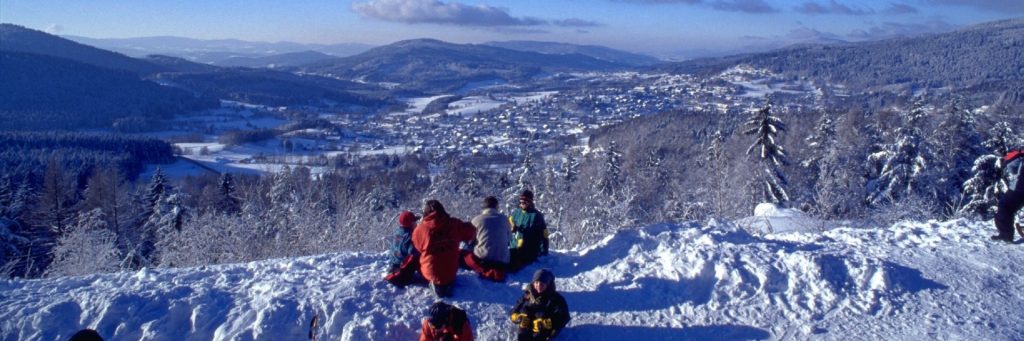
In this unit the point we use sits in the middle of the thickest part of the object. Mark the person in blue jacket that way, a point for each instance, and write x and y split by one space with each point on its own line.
403 256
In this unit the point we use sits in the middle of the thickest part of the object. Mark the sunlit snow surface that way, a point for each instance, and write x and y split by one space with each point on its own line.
916 281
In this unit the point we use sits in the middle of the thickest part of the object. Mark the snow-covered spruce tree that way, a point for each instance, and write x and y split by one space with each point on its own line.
839 187
157 188
902 167
987 183
611 176
956 144
88 247
901 164
227 201
770 155
716 165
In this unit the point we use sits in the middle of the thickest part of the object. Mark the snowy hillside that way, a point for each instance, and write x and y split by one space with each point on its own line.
934 280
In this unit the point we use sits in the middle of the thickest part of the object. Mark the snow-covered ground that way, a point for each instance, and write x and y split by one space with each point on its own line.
910 281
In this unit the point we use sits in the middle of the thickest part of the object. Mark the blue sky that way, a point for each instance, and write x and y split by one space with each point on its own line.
651 26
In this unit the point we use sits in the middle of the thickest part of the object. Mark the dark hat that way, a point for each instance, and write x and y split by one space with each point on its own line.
438 314
544 275
527 196
407 219
86 335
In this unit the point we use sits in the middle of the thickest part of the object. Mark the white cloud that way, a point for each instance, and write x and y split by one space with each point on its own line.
440 12
54 29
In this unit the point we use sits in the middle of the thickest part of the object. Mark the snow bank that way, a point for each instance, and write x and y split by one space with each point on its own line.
770 218
665 282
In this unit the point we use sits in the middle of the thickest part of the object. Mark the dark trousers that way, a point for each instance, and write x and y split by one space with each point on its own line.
1009 204
404 274
521 257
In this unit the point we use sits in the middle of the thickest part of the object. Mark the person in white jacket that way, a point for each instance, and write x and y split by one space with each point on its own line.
490 255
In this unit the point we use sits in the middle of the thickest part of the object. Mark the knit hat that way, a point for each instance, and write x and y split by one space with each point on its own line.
407 219
526 196
544 275
438 314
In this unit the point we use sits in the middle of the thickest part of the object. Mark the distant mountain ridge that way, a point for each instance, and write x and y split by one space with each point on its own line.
434 65
16 38
984 55
214 51
278 60
595 51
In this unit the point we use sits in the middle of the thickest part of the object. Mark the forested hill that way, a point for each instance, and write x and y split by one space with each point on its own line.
595 51
20 39
433 65
985 55
42 92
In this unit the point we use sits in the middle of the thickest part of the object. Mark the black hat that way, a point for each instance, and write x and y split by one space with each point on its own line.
544 275
86 335
438 314
526 196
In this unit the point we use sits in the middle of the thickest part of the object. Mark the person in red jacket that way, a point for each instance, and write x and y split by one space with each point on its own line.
437 239
446 322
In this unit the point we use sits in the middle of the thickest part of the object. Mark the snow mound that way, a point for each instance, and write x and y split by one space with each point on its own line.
662 282
770 218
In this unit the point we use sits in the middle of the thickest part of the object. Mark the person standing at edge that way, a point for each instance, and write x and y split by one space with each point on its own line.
437 239
530 233
1011 201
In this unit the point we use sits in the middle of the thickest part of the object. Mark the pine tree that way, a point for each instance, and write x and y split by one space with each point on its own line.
987 183
957 144
610 179
901 167
716 164
228 202
157 188
771 156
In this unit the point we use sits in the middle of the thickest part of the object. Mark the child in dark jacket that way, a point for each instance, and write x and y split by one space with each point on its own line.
403 256
542 312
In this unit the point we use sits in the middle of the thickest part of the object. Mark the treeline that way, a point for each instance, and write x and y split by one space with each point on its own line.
46 93
26 154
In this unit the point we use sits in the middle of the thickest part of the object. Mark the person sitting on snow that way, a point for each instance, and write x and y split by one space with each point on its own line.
541 313
490 256
1011 201
446 322
529 233
437 239
405 260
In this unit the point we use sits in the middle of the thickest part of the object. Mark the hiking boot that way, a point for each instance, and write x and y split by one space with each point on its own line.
1002 239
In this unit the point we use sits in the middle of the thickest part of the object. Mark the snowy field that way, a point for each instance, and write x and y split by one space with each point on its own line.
911 281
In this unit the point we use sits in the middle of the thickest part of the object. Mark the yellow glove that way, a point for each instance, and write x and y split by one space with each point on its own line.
542 324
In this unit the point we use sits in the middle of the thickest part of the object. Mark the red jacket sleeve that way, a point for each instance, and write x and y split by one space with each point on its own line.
1013 155
426 333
